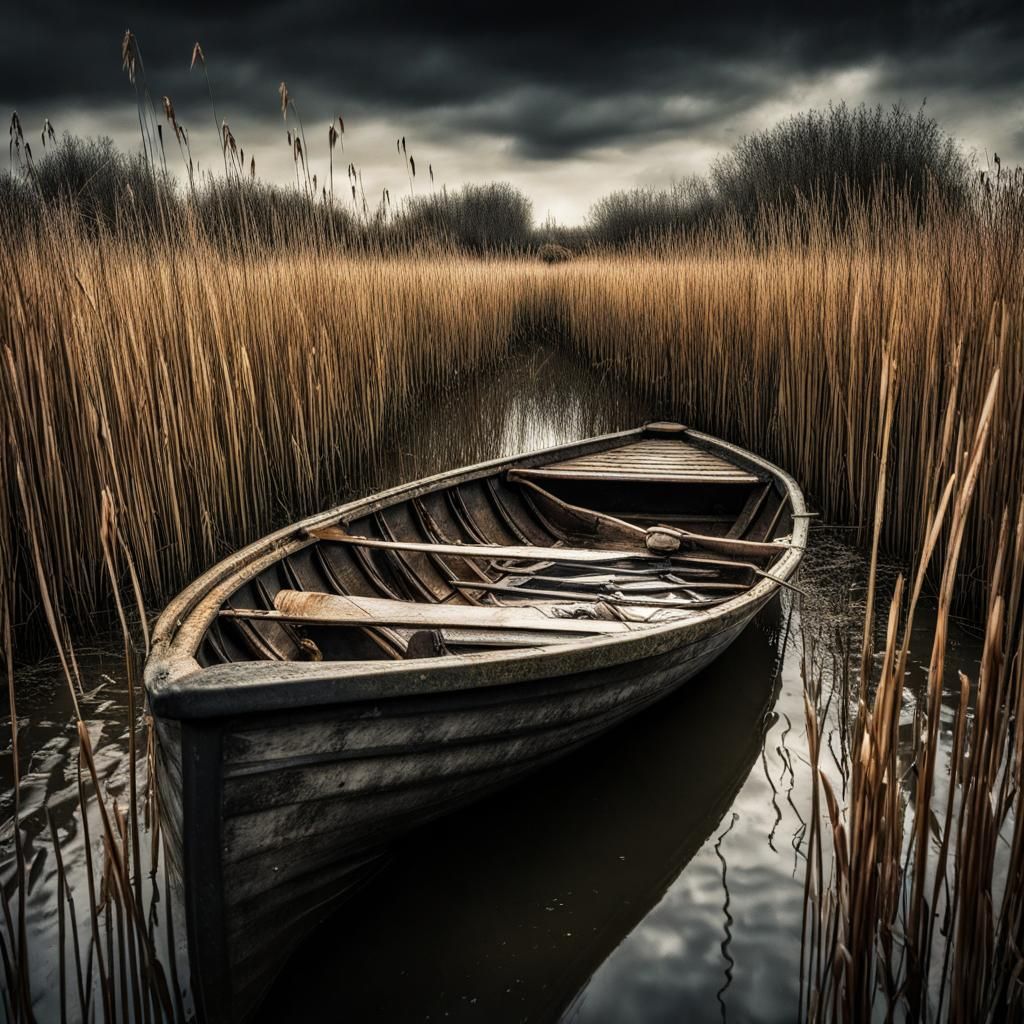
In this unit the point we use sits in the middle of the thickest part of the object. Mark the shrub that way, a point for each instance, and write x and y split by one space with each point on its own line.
646 214
108 186
551 252
842 154
477 217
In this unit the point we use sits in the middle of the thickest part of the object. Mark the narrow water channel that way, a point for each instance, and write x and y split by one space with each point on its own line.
656 875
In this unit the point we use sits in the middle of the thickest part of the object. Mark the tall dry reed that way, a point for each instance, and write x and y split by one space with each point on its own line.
219 390
918 917
214 395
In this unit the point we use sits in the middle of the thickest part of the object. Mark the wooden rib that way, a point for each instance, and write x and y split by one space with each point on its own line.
778 515
541 518
403 565
531 529
281 651
511 524
433 532
482 515
335 609
458 509
255 640
294 583
387 640
214 640
749 512
372 573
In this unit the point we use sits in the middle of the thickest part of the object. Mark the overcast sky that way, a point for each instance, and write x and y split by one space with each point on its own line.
566 106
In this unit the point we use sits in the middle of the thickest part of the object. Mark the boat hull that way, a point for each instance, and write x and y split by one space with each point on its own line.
290 811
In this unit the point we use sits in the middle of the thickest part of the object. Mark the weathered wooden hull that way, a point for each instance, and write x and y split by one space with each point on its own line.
307 803
283 783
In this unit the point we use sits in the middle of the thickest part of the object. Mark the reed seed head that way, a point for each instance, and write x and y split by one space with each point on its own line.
129 54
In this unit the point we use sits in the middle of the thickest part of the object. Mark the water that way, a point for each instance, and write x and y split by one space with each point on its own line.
656 875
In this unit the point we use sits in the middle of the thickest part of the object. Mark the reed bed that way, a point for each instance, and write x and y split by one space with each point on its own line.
176 398
214 395
220 392
913 898
776 340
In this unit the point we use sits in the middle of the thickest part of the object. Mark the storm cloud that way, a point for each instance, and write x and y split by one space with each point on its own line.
566 104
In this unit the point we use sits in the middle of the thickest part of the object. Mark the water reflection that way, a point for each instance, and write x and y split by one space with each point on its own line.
536 399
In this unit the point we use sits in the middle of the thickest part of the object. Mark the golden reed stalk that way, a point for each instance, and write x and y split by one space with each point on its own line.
218 393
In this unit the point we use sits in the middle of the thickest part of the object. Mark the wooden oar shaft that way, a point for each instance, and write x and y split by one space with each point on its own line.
524 552
314 608
488 551
612 529
640 601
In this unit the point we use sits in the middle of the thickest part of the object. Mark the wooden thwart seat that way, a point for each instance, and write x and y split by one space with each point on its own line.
658 460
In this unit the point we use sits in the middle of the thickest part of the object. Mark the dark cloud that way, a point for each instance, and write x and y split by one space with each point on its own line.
538 83
554 81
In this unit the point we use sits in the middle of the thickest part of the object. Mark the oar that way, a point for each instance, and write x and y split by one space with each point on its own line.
313 608
575 519
568 556
565 595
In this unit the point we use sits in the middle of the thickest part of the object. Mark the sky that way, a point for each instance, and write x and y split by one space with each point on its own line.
566 104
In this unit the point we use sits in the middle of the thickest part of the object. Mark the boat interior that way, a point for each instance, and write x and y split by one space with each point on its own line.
655 529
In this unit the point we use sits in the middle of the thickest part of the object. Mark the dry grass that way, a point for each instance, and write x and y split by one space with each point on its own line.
780 346
214 396
919 917
218 394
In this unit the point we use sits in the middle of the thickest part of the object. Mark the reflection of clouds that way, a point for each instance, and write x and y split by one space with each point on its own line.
670 967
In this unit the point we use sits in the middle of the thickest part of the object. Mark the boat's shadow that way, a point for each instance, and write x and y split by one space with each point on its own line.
505 910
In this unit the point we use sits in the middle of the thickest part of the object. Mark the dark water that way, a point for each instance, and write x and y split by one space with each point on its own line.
656 875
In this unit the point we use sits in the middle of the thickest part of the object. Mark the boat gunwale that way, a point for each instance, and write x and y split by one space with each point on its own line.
179 688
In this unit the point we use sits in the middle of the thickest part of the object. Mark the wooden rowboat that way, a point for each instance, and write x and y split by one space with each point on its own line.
375 666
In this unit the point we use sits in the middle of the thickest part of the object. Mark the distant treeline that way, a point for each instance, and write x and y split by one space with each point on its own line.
841 156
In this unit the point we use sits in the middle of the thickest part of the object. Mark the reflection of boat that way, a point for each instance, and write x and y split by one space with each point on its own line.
376 666
517 902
